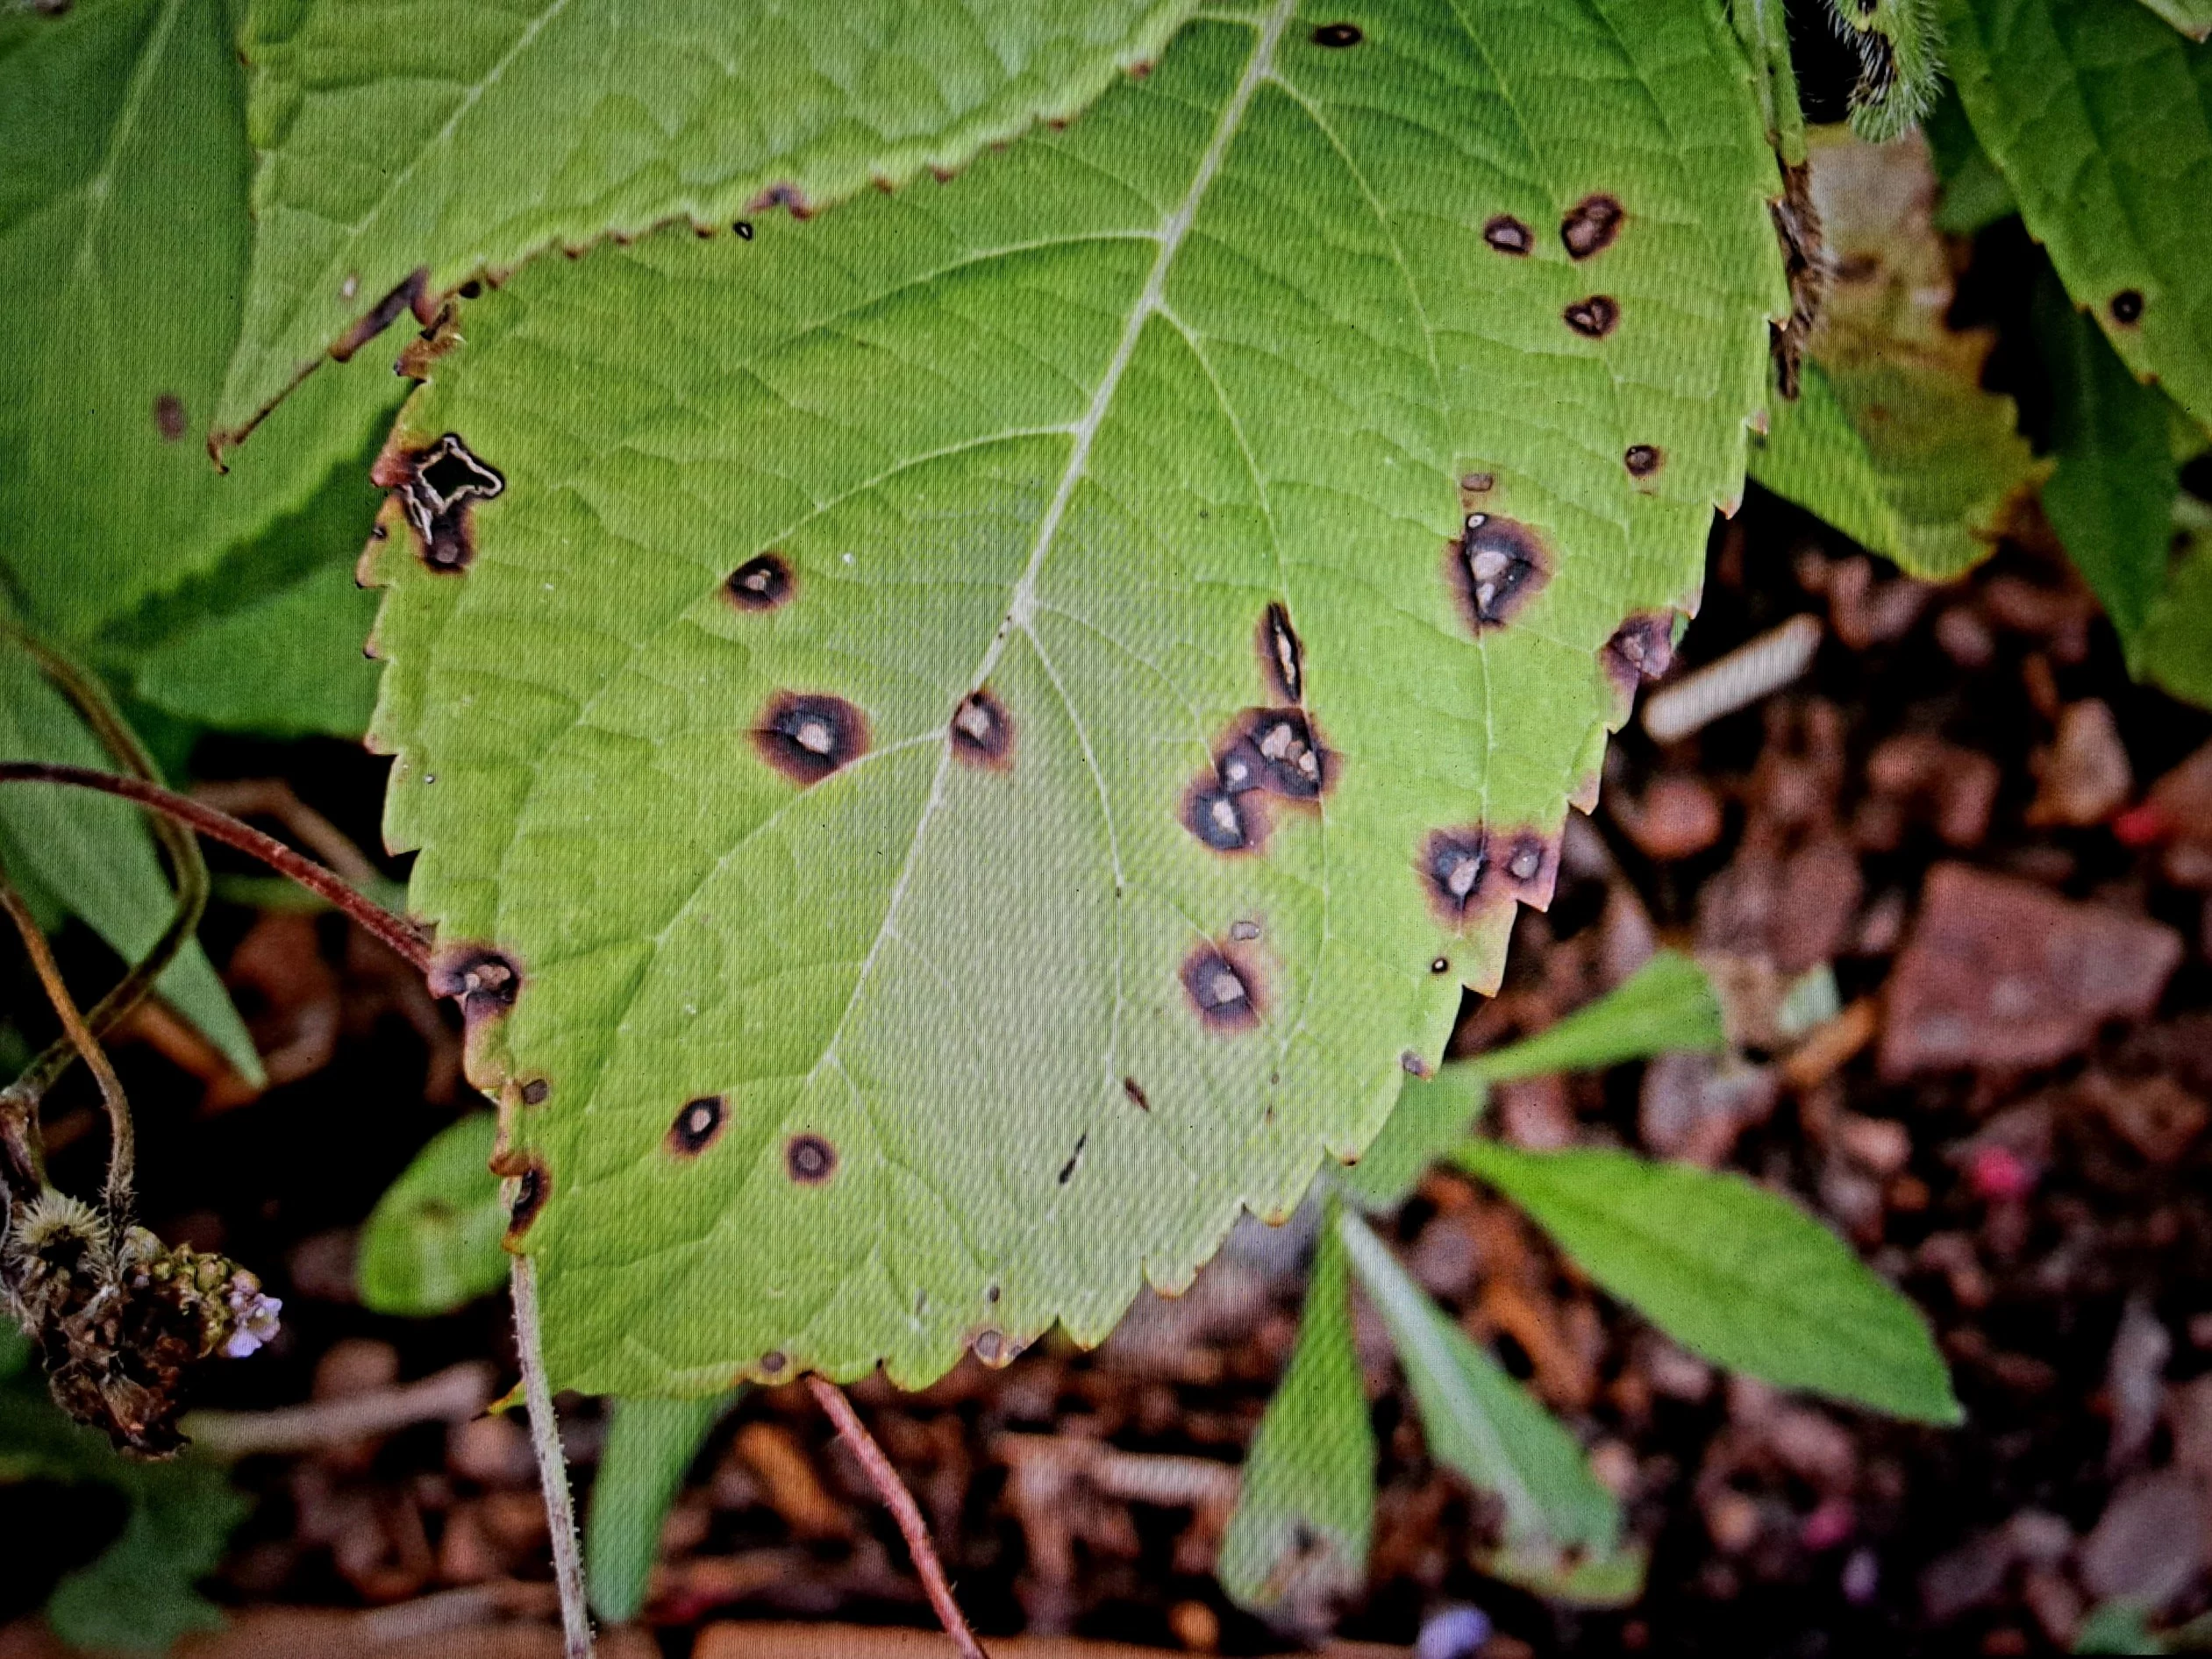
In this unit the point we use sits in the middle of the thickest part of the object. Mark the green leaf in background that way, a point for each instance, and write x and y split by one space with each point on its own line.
432 1242
1730 1272
123 239
138 1595
2100 117
1899 48
1667 1006
386 146
1305 1513
94 855
269 640
1892 439
1975 195
2193 17
2117 1627
650 1444
842 717
1481 1423
2111 498
2177 637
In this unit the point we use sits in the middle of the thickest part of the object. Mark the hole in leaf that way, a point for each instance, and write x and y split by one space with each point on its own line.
436 495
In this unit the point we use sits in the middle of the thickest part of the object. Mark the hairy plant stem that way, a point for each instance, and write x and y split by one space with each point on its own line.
122 1142
220 826
188 873
553 1470
900 1502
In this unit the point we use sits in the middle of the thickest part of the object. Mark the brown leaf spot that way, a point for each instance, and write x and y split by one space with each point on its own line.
1642 648
1293 764
1281 657
168 416
1442 964
1642 461
1593 318
1222 991
1591 225
809 1159
1337 36
782 196
807 737
411 295
772 1363
698 1126
536 1092
1508 235
485 981
1496 567
983 732
1225 820
2127 307
533 1186
744 228
1136 1094
991 1349
1478 483
761 583
1468 868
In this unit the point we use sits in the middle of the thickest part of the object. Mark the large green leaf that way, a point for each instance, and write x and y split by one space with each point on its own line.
93 853
1667 1006
823 703
1892 439
2111 499
1305 1511
1730 1272
123 239
2100 117
396 136
1481 1422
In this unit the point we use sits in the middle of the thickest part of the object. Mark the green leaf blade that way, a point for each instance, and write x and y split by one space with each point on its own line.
562 121
1667 1006
1305 1513
1062 431
432 1243
2100 117
1730 1272
650 1444
1479 1421
93 854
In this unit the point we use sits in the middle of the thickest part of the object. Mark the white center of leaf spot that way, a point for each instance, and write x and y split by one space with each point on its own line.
813 736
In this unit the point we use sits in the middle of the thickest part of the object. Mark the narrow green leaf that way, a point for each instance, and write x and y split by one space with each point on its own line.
650 1444
1730 1272
94 855
1892 439
1667 1006
1478 1421
1305 1514
124 240
2111 499
432 1243
996 1016
2100 117
385 147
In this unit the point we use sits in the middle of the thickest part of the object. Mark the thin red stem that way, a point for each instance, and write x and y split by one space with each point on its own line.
220 826
900 1502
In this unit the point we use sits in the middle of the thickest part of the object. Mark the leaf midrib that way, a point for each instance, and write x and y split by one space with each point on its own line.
1022 605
